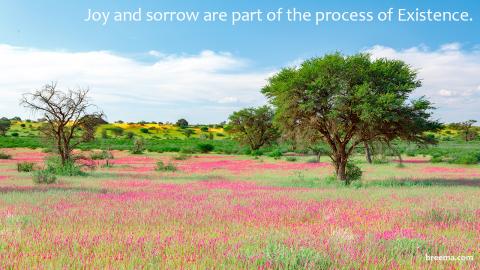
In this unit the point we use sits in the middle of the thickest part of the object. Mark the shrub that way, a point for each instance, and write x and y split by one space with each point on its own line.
291 159
353 172
204 129
44 177
220 135
129 135
276 154
23 125
256 153
144 130
187 150
4 155
104 134
138 146
181 157
101 155
436 158
170 167
205 147
14 134
25 166
466 158
54 166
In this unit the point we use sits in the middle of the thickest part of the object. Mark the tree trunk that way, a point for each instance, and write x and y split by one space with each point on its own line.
342 171
368 154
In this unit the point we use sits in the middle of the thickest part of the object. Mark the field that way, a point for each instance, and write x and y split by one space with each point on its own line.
238 212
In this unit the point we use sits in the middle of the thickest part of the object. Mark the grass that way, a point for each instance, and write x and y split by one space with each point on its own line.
237 212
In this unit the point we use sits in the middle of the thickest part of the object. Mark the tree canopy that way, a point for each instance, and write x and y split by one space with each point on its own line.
348 100
253 126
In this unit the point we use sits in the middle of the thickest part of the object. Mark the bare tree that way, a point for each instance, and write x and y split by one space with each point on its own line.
66 113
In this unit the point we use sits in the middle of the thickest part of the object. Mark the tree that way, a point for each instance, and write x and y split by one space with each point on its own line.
65 113
253 126
188 132
182 123
349 100
5 125
467 129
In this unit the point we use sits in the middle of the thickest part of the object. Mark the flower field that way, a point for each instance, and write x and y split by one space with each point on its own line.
236 212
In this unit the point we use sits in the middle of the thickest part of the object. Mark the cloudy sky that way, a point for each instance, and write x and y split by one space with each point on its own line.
203 72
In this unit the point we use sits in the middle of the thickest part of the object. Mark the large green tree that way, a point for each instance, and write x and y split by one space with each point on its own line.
5 125
346 101
253 126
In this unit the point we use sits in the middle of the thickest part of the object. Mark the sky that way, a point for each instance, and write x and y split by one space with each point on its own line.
203 71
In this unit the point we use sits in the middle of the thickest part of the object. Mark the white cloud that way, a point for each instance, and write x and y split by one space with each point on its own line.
446 93
203 88
450 76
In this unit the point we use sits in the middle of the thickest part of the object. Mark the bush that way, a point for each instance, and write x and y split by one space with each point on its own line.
291 159
353 172
276 154
4 155
466 158
144 130
205 147
101 155
14 134
54 166
138 146
220 135
256 153
44 177
165 168
25 166
181 157
436 158
129 135
187 150
204 129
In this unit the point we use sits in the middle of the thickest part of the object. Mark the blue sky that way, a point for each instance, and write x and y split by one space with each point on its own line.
218 57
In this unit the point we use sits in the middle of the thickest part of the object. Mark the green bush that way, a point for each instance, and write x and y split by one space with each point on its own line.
15 134
256 153
129 135
353 172
436 158
276 154
204 129
44 177
138 146
466 158
54 166
170 167
205 147
291 159
181 157
104 154
4 155
144 130
25 166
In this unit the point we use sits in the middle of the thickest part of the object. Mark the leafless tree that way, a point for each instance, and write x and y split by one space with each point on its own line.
69 116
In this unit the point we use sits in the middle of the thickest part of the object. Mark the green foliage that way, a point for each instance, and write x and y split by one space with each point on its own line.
205 147
371 97
181 157
104 154
276 154
5 125
44 177
353 172
204 129
129 135
188 132
253 127
170 167
54 166
436 158
465 158
4 155
291 159
138 146
25 166
144 130
14 134
182 123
